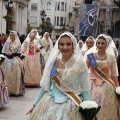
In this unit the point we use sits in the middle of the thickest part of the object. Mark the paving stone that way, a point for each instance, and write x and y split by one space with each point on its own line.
19 106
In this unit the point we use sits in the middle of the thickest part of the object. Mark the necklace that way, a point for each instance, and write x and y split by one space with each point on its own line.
101 57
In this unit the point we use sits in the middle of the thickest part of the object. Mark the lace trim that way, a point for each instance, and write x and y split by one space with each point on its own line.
73 67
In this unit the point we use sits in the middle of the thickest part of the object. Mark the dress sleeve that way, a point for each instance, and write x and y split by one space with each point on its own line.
41 93
4 49
113 66
86 96
85 85
19 49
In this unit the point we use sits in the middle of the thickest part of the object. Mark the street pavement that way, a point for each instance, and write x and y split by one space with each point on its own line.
19 106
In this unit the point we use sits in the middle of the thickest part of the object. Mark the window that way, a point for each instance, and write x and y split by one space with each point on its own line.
58 6
55 5
62 6
61 20
33 6
88 1
33 19
65 6
65 20
48 5
57 21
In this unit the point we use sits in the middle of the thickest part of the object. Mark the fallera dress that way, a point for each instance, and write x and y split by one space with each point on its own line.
54 104
33 70
102 92
13 69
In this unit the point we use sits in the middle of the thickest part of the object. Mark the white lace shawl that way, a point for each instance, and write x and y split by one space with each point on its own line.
26 43
49 41
85 48
109 48
109 51
80 41
71 65
75 77
16 45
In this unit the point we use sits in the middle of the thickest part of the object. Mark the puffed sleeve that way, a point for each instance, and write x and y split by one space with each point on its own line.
113 67
85 85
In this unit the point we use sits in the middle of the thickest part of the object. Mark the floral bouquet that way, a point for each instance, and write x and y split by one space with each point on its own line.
118 92
2 57
22 56
89 109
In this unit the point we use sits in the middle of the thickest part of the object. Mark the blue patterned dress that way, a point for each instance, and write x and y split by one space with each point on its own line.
55 105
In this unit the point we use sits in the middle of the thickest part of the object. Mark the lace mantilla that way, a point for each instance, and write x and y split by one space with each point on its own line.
72 67
74 78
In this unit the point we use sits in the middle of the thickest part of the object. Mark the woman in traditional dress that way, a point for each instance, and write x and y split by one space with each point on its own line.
31 49
71 71
12 66
102 91
4 96
89 43
42 61
80 44
48 45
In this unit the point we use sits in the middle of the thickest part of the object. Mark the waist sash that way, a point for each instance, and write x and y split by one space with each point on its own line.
99 72
74 97
16 58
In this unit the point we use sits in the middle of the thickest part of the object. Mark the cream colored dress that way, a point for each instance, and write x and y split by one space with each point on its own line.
33 70
54 104
103 93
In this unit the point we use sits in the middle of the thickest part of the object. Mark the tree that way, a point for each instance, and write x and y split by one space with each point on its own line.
46 27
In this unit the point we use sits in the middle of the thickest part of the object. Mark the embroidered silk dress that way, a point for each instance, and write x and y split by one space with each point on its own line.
4 96
32 63
13 68
54 104
48 45
102 92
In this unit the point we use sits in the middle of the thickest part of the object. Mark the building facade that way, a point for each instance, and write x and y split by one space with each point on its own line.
65 15
59 12
106 17
18 13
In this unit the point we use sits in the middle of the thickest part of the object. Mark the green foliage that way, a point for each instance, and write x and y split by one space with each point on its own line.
46 27
8 17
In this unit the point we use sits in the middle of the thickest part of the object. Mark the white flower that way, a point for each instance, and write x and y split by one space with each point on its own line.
2 56
89 104
22 55
118 90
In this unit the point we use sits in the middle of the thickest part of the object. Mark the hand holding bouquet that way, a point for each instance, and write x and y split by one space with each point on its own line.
89 109
118 92
2 57
22 56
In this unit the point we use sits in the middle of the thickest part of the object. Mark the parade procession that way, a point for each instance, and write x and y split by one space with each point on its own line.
60 60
